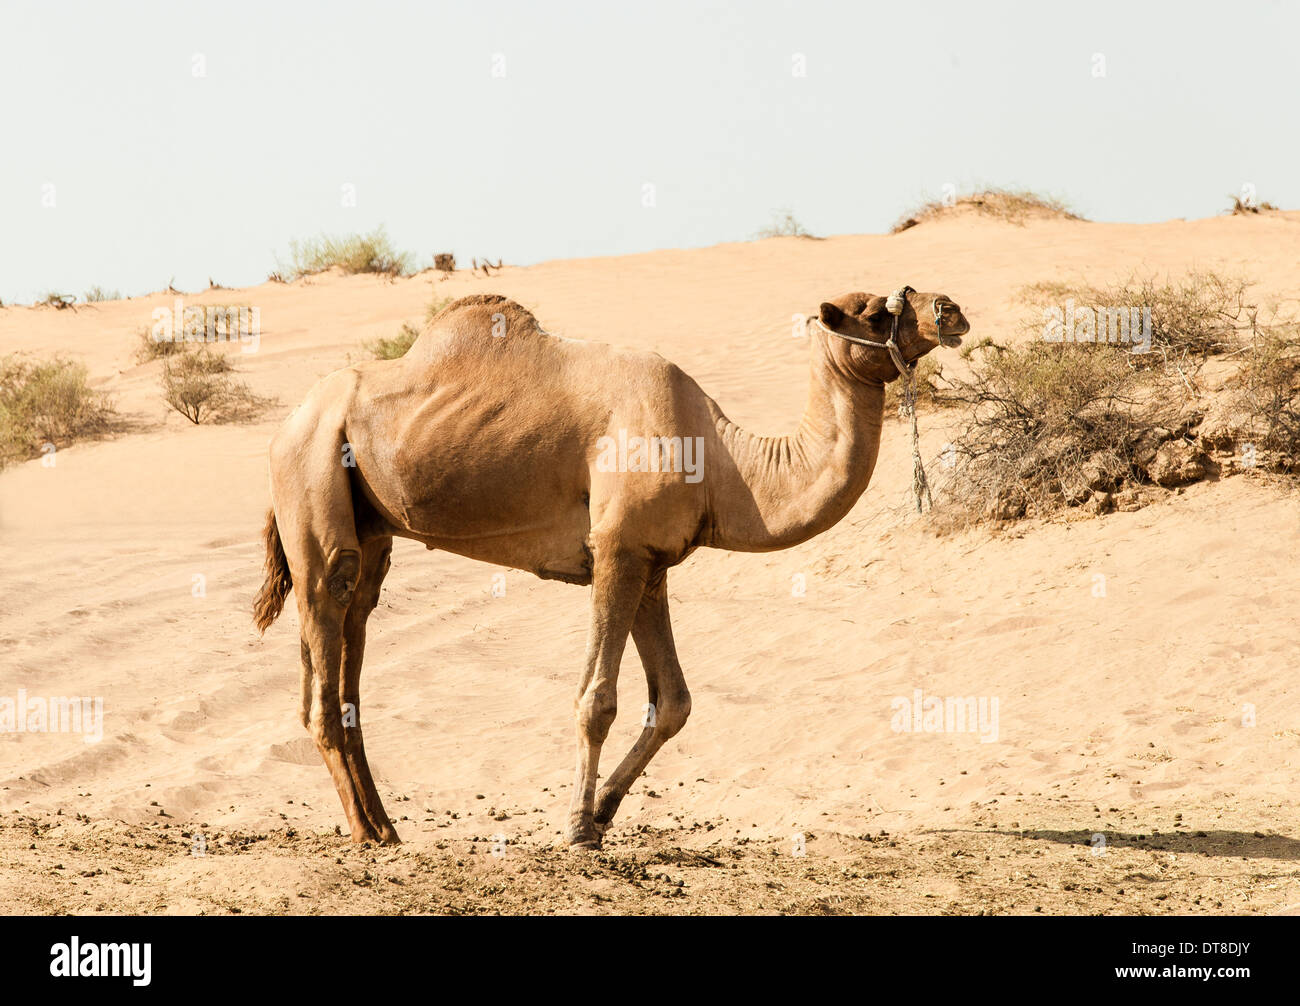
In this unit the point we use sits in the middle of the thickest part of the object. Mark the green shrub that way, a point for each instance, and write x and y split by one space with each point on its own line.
399 344
391 349
46 401
435 308
201 386
353 253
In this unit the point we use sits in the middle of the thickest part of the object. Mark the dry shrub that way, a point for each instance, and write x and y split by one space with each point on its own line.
444 262
932 388
1242 208
1269 394
58 301
353 253
784 225
200 324
201 386
1199 314
46 402
1013 206
1059 424
1049 425
97 295
148 348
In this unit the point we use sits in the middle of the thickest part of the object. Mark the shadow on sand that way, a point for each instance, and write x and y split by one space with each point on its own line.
1247 845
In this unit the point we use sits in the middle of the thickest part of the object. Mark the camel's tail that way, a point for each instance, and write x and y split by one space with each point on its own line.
269 601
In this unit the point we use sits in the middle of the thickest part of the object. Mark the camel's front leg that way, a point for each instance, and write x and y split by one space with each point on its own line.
618 581
670 701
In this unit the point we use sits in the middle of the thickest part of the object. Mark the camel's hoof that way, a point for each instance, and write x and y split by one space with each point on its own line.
387 836
583 834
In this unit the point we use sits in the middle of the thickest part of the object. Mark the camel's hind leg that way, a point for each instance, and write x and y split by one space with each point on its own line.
322 613
374 566
312 499
670 701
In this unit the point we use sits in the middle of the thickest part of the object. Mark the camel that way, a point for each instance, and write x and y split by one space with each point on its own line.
496 440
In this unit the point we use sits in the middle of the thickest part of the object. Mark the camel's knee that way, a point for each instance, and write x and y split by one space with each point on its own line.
342 574
327 738
326 725
671 713
596 711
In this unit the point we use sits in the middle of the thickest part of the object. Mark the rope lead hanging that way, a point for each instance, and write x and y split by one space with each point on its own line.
907 409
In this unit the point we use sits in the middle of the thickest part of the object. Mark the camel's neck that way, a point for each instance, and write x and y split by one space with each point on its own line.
780 491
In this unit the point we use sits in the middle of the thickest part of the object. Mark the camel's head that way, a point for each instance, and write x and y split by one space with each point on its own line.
928 320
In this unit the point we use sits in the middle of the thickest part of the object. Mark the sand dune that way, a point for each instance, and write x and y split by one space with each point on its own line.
1115 712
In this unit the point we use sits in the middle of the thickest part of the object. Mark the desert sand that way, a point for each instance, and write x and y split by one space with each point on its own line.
1120 715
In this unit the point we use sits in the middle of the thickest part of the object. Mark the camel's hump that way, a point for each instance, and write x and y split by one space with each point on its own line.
492 309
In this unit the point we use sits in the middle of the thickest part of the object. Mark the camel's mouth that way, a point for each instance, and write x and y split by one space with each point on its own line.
949 323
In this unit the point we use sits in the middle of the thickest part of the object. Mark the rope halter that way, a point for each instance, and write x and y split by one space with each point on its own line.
895 303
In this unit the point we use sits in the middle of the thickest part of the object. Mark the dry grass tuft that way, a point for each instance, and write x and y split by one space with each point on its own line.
784 225
1011 206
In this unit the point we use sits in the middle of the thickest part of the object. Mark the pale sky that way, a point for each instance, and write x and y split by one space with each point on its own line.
530 131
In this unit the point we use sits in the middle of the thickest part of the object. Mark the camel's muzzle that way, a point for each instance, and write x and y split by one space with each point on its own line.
949 329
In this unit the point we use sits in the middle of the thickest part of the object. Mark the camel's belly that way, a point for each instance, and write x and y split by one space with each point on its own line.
556 550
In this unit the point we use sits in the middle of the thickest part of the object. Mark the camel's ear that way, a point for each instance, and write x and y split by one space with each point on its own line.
832 317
